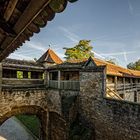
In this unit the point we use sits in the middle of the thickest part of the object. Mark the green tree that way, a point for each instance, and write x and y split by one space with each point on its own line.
134 65
20 74
82 50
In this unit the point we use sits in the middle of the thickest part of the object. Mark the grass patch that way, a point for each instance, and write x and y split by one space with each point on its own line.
31 122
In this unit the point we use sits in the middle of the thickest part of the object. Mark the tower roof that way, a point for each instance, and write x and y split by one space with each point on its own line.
50 56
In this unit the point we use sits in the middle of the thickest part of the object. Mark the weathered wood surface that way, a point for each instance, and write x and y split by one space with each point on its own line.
10 8
66 85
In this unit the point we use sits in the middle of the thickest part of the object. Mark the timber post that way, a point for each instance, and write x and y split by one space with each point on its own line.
123 85
115 83
59 79
0 77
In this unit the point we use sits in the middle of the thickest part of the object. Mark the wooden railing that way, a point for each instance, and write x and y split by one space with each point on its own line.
128 91
124 86
21 83
53 84
66 85
112 94
74 85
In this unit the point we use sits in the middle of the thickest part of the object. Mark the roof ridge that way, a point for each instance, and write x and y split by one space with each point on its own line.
50 56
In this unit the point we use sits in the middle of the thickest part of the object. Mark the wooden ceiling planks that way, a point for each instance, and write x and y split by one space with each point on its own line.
10 8
26 19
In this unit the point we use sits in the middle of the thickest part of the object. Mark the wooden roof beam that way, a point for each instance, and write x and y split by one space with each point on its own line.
31 12
10 8
6 28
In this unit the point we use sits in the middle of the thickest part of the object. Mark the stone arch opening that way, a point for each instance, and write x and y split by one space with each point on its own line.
53 126
29 110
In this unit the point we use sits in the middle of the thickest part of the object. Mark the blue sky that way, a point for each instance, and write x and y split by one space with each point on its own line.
113 26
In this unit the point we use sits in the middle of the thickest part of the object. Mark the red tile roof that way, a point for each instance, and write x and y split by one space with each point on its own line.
51 57
112 69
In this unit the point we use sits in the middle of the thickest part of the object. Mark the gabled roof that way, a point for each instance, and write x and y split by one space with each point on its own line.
90 63
50 57
111 69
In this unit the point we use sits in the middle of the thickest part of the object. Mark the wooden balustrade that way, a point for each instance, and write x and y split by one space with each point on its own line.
53 84
124 86
70 85
14 82
66 85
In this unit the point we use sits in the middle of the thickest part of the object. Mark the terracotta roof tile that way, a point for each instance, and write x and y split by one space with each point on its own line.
112 69
50 56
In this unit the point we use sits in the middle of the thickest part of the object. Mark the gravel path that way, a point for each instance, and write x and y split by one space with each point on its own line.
13 130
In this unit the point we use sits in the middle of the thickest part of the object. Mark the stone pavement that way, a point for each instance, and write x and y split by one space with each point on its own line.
13 130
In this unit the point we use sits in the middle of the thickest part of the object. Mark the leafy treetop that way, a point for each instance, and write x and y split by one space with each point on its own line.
82 50
134 65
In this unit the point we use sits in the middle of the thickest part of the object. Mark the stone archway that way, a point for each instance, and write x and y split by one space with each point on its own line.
30 110
53 126
43 103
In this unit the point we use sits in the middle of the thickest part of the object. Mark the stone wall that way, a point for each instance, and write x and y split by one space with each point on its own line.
0 77
109 119
41 102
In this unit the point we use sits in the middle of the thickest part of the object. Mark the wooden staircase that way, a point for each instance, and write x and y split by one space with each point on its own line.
112 94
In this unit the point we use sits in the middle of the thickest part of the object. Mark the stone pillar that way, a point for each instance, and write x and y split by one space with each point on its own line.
0 77
91 96
46 78
59 79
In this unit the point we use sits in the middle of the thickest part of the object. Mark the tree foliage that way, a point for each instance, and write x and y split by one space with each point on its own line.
82 50
134 65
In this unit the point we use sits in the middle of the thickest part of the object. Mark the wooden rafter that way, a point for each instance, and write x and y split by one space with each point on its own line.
32 11
33 17
10 8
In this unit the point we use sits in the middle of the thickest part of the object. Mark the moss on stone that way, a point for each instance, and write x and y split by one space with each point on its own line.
31 122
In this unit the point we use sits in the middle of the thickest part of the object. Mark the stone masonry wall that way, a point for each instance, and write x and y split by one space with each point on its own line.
46 104
111 119
48 100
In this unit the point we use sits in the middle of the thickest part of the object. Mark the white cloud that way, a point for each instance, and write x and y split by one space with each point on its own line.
118 53
61 55
20 56
36 46
130 7
98 55
73 37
